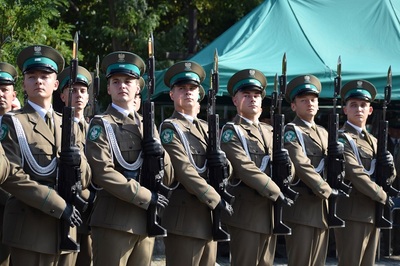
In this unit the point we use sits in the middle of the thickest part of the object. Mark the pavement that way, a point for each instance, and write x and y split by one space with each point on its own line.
221 261
223 258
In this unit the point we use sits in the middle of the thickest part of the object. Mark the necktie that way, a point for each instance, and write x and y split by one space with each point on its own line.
49 122
366 136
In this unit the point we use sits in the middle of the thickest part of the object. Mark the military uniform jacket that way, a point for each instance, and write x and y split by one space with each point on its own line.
4 168
360 206
311 206
31 216
122 203
189 210
256 192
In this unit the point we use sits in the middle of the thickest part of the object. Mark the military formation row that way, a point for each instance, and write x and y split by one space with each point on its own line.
111 155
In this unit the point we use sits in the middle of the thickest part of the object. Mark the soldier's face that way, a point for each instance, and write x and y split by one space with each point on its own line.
305 106
248 103
137 102
185 97
7 95
80 96
357 111
123 89
40 84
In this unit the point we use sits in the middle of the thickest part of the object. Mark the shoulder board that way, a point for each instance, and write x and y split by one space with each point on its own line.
58 113
99 116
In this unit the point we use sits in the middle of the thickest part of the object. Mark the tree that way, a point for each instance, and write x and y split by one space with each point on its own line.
25 23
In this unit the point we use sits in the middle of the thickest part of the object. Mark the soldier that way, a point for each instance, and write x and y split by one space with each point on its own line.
394 148
79 100
31 139
357 243
247 143
307 144
8 76
114 148
188 216
138 98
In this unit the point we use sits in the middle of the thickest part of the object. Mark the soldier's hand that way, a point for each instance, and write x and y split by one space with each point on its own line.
337 193
389 202
72 215
224 206
386 159
216 159
336 149
281 157
285 200
159 200
153 147
71 157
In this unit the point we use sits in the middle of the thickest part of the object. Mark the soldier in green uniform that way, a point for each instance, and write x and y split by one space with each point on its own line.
8 75
114 147
79 100
357 243
188 216
307 144
248 146
31 139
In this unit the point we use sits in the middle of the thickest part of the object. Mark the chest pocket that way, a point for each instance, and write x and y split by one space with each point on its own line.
129 150
314 153
197 148
366 156
257 152
43 153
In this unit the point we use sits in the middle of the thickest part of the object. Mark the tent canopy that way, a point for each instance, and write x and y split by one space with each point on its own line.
313 34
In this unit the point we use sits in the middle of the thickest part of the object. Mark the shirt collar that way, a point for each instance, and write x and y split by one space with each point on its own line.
359 129
41 111
121 110
188 117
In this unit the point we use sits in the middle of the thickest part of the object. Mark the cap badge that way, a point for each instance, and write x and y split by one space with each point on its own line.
37 50
359 84
252 72
307 79
121 57
188 66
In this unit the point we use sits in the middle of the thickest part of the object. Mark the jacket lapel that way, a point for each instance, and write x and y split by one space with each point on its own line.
39 125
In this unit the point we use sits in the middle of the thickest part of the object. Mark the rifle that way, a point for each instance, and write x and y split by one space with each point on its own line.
383 217
96 86
69 178
153 166
281 173
218 175
335 162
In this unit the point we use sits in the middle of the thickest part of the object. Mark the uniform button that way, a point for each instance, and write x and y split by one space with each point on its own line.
52 211
209 201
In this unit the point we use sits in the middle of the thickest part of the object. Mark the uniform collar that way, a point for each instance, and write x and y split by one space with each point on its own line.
40 110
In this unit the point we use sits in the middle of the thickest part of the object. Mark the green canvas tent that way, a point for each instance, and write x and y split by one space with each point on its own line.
313 34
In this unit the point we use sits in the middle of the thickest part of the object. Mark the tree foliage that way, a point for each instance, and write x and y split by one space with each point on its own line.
105 26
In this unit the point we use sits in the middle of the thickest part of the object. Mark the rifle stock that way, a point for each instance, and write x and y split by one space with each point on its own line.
335 162
383 217
281 172
218 175
69 184
153 166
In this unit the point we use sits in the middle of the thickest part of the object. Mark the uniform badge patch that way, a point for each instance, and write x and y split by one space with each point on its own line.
342 140
3 131
167 135
94 132
290 136
227 135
